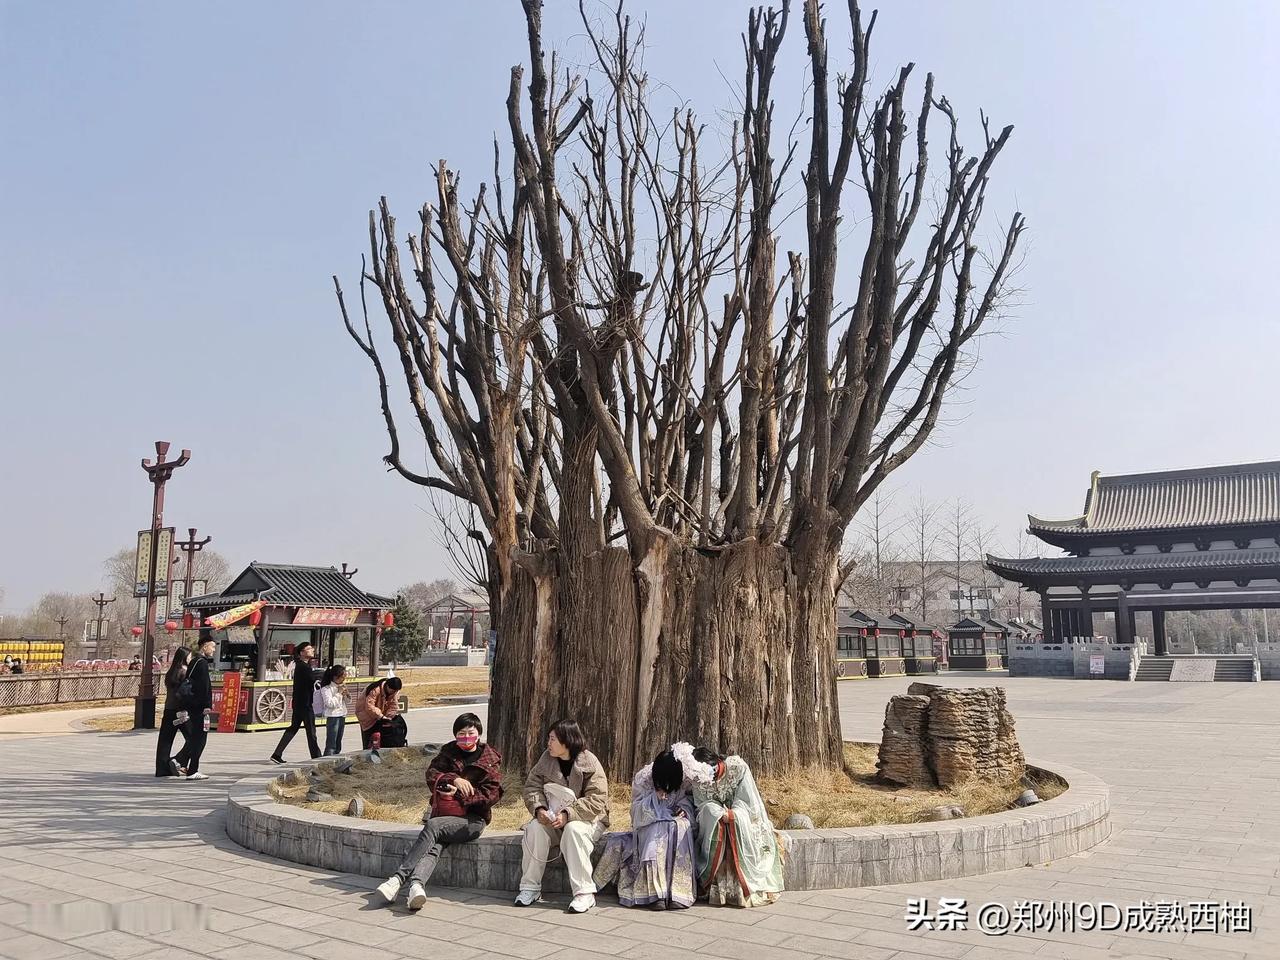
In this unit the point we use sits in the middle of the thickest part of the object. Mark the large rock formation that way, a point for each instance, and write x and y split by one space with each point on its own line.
903 754
938 736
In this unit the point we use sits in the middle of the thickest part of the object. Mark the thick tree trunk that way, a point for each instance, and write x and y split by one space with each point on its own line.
729 648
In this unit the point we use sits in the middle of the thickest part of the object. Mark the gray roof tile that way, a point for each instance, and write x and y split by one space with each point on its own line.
1244 493
1172 563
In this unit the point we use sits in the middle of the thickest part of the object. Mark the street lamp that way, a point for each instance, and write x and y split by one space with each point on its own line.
144 705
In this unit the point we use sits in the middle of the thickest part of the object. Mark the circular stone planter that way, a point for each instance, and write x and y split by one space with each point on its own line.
1070 823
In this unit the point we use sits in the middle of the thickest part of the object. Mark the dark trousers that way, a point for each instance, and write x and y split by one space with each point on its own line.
437 833
197 736
366 736
333 728
164 743
300 719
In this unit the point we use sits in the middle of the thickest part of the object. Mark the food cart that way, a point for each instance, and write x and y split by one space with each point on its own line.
917 644
266 613
974 644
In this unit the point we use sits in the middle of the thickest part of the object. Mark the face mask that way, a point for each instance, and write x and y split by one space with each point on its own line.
467 741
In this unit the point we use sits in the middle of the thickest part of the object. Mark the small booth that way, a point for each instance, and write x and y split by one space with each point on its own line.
1004 633
851 657
974 644
265 614
882 644
917 645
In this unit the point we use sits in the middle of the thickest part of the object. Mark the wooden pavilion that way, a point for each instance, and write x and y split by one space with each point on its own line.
1201 539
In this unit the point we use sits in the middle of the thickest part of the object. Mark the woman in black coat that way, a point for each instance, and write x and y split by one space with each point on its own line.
173 706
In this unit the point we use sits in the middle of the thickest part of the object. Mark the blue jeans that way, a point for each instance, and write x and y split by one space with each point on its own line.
333 727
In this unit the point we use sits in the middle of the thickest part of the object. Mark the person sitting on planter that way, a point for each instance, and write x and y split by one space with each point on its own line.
653 863
377 707
568 795
465 780
739 863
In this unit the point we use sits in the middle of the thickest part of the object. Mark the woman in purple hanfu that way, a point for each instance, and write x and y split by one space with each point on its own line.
653 864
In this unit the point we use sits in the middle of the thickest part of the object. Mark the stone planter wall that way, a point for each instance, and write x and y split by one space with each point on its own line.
1070 823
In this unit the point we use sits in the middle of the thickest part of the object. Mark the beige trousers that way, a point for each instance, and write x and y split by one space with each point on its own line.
576 841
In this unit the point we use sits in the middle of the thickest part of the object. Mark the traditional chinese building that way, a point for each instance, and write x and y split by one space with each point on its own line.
1202 539
272 609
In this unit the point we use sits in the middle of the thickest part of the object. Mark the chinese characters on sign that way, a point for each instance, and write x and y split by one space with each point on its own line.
323 617
1066 916
230 702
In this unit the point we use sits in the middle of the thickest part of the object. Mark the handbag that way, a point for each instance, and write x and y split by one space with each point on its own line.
184 693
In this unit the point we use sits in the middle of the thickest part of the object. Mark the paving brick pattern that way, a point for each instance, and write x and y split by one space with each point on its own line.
99 859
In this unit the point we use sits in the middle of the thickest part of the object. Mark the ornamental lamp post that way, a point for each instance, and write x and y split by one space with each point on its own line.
144 705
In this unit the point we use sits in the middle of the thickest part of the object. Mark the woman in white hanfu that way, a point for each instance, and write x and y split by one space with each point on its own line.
739 858
654 863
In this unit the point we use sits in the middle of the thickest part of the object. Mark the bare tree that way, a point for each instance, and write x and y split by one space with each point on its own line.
663 423
873 548
1023 599
118 576
922 535
422 594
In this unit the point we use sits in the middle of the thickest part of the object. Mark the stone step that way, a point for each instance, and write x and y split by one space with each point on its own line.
1226 667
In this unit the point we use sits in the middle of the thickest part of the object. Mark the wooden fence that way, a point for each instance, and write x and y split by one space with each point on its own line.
35 689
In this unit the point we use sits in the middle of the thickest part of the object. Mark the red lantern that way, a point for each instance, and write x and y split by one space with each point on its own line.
170 626
388 619
188 620
255 618
136 631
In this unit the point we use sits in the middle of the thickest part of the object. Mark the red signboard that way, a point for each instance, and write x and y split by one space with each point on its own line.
230 702
322 617
222 620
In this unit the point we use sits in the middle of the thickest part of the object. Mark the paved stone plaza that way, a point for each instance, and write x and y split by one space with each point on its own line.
89 838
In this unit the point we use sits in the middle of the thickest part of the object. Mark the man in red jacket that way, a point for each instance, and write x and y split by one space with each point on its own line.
465 780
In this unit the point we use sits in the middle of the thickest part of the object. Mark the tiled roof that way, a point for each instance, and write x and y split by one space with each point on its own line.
1247 493
858 619
918 625
1172 563
293 586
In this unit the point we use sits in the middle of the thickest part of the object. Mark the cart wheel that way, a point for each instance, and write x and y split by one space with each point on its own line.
840 669
270 706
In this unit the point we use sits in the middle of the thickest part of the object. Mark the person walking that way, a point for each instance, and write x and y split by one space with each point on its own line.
304 715
331 703
174 720
199 707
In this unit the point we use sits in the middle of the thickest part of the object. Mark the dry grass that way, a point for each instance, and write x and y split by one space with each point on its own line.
112 722
848 798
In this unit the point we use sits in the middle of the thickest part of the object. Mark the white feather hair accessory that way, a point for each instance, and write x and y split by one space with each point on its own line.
695 772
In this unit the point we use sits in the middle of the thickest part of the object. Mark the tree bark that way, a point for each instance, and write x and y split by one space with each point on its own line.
730 648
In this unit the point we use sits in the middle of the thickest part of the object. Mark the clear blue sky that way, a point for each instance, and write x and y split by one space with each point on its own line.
181 180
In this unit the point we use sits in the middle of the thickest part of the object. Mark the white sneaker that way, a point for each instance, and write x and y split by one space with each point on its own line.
389 889
527 898
417 896
197 776
582 903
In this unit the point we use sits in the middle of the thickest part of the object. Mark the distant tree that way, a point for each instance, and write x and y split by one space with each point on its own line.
922 536
211 566
404 642
422 594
